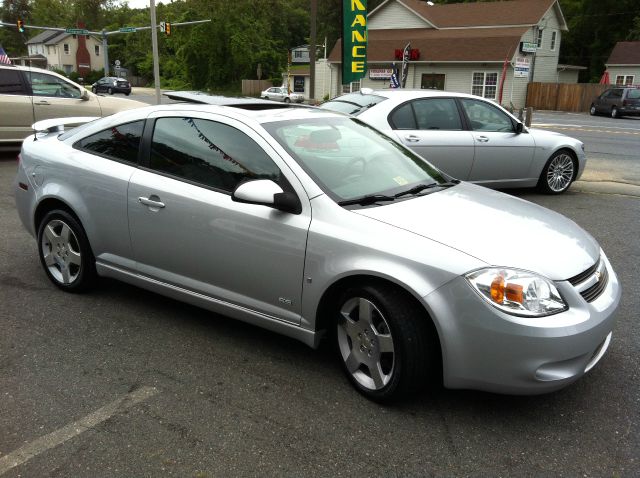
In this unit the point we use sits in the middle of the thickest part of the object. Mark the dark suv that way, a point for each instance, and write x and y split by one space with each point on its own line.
112 85
617 102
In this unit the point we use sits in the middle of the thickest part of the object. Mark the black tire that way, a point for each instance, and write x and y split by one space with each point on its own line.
615 113
592 110
559 172
414 358
68 261
287 100
127 94
110 91
94 89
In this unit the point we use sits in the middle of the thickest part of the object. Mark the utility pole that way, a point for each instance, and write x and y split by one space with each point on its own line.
312 51
154 48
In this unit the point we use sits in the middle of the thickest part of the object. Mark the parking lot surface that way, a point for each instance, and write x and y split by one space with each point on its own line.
123 382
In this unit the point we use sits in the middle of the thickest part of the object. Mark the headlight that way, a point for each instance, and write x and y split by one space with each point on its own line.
517 292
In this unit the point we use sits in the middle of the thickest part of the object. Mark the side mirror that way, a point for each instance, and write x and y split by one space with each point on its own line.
267 193
519 127
84 95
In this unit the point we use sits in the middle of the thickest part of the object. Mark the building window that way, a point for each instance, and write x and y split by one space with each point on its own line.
65 46
624 80
97 49
484 84
539 40
298 54
351 87
553 40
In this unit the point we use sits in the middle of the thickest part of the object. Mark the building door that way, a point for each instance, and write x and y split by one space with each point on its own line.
432 81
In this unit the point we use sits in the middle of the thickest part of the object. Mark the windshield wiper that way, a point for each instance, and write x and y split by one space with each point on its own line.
367 200
421 187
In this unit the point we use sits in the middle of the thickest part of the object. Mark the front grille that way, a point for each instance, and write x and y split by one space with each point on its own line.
583 276
592 282
593 292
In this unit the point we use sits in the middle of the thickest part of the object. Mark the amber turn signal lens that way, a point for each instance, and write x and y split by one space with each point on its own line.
497 289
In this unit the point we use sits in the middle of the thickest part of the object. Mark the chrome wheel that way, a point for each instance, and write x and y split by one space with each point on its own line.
560 172
365 343
61 251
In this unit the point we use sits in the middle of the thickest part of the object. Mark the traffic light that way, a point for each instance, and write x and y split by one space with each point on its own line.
167 28
20 25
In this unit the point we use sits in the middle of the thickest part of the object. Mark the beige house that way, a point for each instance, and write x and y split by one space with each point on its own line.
60 50
623 64
460 47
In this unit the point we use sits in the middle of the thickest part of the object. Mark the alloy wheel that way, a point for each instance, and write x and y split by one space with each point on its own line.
560 172
365 343
61 252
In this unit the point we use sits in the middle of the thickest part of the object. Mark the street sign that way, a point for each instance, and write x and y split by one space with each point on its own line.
77 31
528 47
127 30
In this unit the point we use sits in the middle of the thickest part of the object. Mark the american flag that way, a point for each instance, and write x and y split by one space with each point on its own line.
3 57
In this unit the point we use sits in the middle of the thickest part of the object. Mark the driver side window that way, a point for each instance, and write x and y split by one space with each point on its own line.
486 117
49 85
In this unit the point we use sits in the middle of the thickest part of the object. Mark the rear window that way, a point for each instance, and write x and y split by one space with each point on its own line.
633 94
352 103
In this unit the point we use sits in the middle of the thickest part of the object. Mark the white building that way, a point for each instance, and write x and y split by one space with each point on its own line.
61 51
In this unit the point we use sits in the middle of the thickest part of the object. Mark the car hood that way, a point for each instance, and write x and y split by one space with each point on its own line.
110 105
496 228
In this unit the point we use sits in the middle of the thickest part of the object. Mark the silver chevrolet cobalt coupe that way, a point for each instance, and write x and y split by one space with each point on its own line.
313 224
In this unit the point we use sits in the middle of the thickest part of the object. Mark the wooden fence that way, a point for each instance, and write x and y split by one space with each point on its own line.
563 96
255 87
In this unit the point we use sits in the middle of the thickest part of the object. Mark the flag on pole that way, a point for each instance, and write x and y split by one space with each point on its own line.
405 64
394 83
4 58
502 78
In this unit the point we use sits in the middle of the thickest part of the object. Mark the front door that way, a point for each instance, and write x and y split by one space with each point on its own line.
500 153
187 232
432 81
54 97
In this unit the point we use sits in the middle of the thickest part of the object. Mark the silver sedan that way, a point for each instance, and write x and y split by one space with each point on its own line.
470 137
312 224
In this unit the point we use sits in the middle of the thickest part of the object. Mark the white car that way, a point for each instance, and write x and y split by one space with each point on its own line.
28 95
469 137
280 93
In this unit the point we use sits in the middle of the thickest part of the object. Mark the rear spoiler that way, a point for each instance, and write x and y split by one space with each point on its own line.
56 125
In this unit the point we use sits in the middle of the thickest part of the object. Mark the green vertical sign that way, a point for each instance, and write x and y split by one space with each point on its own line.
354 40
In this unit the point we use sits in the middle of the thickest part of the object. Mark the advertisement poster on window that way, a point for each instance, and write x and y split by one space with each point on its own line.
298 84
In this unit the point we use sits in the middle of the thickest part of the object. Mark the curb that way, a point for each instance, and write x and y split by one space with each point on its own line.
606 187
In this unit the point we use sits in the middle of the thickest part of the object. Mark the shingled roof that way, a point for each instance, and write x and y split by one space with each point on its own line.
480 14
625 53
485 45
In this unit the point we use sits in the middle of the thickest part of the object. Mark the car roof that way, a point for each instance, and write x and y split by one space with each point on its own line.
198 97
402 94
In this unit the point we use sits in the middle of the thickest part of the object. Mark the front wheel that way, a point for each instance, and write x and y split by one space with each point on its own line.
615 113
65 253
558 173
94 89
383 341
110 91
592 110
287 100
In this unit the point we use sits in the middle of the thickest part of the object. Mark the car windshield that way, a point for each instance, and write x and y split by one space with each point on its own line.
352 103
351 160
633 94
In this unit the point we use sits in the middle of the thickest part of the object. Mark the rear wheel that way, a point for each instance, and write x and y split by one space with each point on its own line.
65 253
110 91
615 113
592 110
287 100
384 342
558 173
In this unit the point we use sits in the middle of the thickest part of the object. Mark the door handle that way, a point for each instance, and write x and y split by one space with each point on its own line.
412 138
482 139
150 202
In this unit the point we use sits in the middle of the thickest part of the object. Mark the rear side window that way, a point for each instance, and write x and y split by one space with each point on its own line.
403 118
10 82
209 153
633 94
437 113
119 142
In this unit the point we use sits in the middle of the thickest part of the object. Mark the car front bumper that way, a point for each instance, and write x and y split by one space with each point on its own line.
486 349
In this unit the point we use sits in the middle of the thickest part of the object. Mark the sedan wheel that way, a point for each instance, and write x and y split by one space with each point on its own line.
65 253
558 174
382 339
110 91
287 100
94 89
592 110
614 112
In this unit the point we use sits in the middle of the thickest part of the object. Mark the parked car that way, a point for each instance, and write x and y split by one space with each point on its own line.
617 102
313 224
111 85
28 95
469 137
280 93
